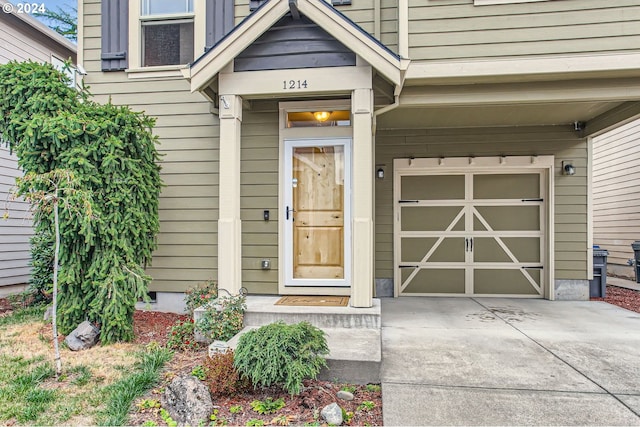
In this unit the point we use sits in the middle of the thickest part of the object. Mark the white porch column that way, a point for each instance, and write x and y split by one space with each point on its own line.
229 224
362 261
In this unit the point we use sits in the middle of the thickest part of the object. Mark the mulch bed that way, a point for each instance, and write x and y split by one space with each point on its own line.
622 297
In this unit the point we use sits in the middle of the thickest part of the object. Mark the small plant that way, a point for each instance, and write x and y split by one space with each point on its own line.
366 405
349 388
199 295
164 414
282 420
149 423
235 409
216 420
254 422
312 424
373 388
199 373
223 318
181 336
268 405
346 416
281 354
222 378
148 405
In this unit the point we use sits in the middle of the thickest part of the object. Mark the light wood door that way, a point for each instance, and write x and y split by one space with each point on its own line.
317 211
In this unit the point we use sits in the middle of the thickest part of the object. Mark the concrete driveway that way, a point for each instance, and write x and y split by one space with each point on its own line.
493 361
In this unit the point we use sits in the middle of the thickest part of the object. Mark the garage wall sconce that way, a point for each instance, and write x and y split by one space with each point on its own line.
380 173
568 168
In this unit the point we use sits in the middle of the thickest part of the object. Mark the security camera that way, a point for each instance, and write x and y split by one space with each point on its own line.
81 70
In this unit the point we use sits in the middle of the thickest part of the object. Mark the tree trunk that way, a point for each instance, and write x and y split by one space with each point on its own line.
54 311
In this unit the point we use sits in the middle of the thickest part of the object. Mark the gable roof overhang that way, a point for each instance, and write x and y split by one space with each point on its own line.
205 69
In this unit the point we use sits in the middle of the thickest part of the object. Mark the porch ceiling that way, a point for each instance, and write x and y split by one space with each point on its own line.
494 115
601 101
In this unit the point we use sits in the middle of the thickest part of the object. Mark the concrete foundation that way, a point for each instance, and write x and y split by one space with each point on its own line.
572 290
168 302
384 288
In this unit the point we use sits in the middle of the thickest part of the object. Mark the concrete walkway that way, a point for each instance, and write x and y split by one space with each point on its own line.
463 361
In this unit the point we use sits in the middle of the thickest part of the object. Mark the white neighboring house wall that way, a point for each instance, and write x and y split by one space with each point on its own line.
616 195
22 38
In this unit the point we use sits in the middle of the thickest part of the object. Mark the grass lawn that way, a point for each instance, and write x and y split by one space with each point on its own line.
98 385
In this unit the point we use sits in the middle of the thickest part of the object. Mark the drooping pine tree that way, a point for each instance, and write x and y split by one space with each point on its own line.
112 153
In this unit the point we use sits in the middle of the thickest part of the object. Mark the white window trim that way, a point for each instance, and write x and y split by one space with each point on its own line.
135 39
491 2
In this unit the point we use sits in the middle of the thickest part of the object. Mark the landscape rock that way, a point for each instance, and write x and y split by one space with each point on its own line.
83 337
48 313
332 414
188 401
344 395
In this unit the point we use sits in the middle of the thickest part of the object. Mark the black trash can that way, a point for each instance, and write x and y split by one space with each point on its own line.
636 256
598 285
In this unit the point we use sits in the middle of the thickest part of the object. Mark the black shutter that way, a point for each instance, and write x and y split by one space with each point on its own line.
115 34
220 20
254 4
340 2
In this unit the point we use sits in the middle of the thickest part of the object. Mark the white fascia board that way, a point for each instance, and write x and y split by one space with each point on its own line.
514 67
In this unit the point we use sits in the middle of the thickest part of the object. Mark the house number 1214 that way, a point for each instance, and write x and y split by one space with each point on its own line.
294 84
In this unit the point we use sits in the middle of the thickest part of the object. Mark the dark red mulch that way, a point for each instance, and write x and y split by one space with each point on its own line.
151 326
622 297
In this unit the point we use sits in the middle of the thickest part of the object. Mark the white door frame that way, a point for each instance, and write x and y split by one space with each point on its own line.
502 164
289 144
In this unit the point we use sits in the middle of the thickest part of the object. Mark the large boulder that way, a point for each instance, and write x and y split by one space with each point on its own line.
83 337
188 401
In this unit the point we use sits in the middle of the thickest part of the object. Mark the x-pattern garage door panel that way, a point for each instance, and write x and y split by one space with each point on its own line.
471 233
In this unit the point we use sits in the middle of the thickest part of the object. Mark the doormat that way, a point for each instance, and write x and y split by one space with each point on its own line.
319 301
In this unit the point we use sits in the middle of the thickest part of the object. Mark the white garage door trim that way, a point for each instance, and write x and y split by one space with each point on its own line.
467 167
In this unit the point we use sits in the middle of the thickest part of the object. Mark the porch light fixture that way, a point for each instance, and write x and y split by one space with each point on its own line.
568 168
380 173
322 116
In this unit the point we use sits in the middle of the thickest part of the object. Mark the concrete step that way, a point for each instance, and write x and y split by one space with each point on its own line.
261 310
355 354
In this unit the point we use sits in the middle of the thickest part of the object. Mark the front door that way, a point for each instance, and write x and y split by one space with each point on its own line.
317 212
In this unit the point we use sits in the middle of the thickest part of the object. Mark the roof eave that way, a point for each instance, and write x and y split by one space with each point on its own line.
211 63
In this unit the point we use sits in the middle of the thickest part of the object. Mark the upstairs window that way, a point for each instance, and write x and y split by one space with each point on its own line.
167 30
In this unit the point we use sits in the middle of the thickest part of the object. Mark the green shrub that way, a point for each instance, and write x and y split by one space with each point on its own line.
181 336
199 295
222 318
281 354
221 376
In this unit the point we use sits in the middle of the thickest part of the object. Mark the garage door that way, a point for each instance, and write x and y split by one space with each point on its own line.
471 232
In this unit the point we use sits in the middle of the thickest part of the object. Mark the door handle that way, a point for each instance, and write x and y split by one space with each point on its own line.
466 244
289 211
471 244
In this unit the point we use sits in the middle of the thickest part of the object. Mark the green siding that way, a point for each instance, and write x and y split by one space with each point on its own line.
571 192
259 191
188 132
456 29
